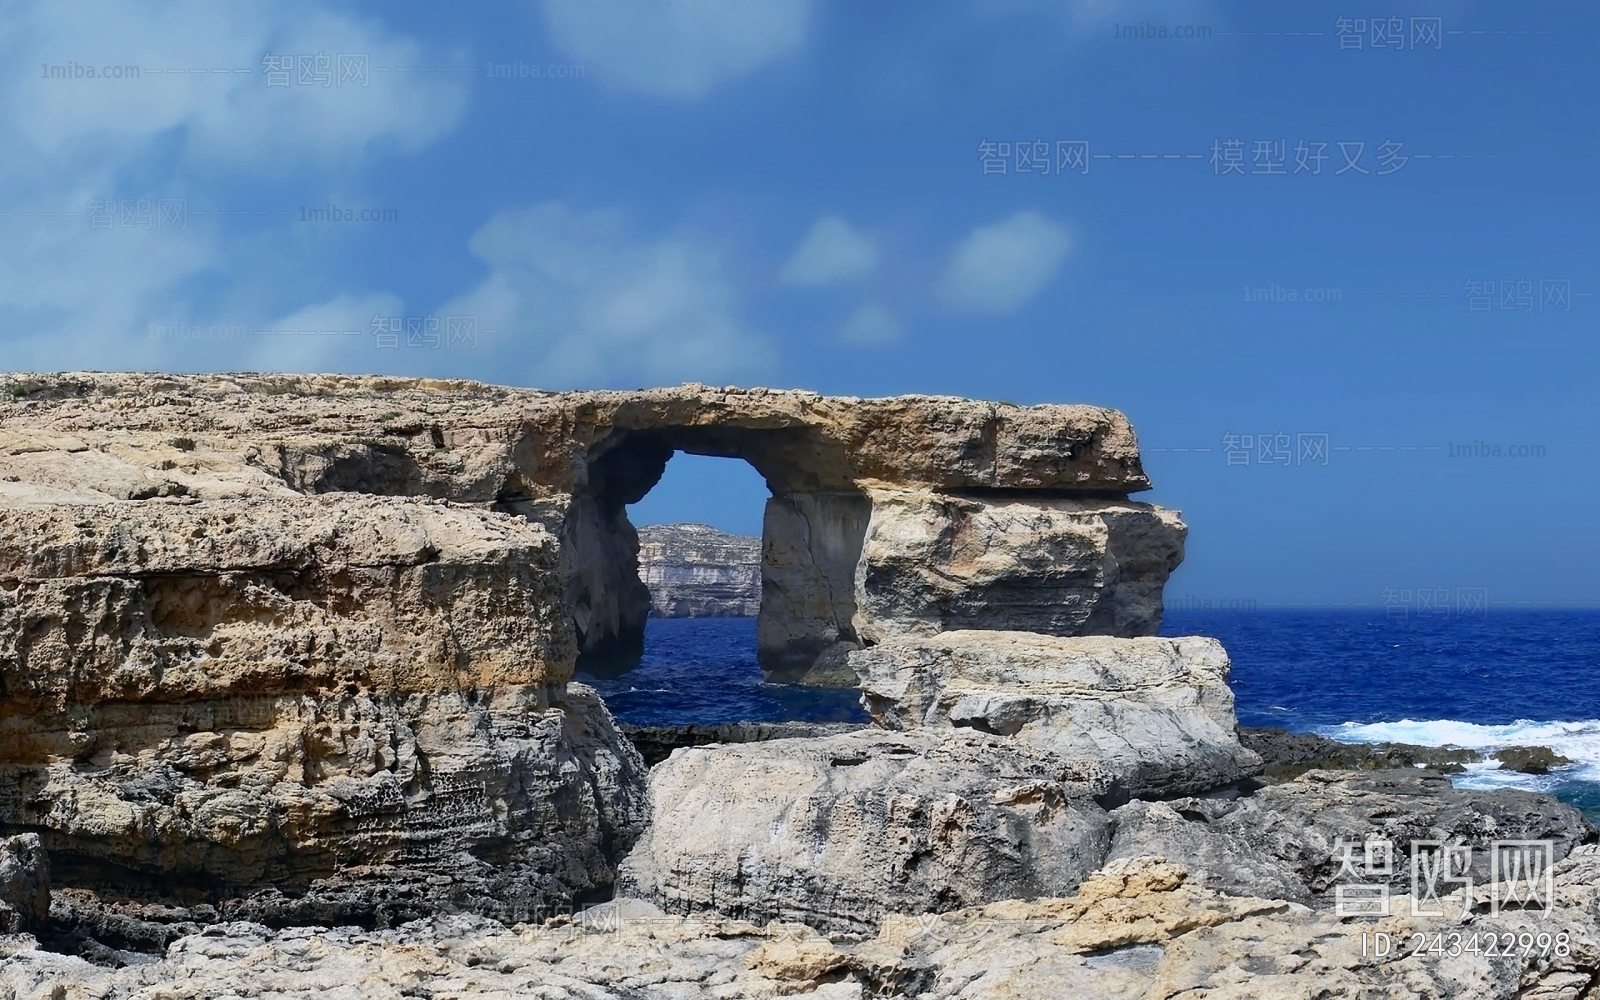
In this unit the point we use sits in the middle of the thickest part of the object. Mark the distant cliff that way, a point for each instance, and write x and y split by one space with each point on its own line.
696 571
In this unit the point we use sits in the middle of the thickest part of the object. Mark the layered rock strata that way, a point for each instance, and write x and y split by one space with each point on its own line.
1154 715
696 571
297 648
341 698
1017 514
1059 566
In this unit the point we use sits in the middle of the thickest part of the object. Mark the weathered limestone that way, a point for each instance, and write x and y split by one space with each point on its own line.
24 884
573 461
696 571
176 600
1155 715
297 648
837 831
243 693
1137 929
1283 840
934 562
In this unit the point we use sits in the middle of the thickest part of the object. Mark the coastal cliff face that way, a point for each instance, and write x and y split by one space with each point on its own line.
696 571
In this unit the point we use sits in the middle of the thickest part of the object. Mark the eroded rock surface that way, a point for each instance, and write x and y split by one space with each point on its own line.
656 743
24 884
1154 714
341 698
696 571
297 647
1285 755
837 831
1284 840
934 562
1139 929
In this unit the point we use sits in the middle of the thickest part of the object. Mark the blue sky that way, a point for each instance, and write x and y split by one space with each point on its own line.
801 193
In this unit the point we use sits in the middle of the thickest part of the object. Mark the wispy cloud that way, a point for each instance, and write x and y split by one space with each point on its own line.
999 267
603 306
74 294
872 325
832 253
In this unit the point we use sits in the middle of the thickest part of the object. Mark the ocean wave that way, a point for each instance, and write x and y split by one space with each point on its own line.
1577 741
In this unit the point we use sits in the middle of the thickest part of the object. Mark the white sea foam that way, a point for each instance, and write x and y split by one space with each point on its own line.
1577 741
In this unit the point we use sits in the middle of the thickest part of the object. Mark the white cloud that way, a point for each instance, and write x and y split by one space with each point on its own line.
677 48
998 268
229 116
75 295
831 253
599 306
872 325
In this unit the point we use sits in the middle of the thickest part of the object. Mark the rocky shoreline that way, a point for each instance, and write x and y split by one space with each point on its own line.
287 710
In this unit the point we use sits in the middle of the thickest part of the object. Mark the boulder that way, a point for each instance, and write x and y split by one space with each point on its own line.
1154 714
1284 841
836 831
1530 760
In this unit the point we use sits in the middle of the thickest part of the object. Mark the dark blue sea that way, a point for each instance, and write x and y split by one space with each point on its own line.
704 670
1509 678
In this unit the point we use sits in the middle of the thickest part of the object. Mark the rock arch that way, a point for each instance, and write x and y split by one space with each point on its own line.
887 517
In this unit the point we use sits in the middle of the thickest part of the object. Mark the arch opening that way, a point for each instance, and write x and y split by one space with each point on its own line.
810 545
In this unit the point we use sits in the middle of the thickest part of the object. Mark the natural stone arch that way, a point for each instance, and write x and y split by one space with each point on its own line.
811 544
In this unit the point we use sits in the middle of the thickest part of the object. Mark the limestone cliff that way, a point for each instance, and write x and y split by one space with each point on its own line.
696 571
